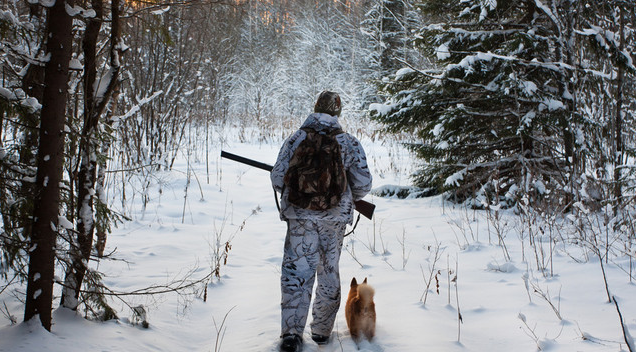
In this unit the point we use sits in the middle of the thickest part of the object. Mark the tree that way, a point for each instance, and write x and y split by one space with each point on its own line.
607 47
282 65
497 117
50 160
97 94
388 25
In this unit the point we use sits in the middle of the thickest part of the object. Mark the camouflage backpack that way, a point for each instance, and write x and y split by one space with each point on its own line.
316 178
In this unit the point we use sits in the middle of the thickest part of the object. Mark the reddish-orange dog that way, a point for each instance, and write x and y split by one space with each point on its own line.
360 311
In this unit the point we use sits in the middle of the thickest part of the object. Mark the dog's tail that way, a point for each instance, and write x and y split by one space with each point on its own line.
365 292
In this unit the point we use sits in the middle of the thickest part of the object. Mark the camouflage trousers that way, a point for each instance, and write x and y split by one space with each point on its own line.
311 247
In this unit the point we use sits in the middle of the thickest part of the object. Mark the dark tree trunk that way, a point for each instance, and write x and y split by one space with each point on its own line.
618 125
81 248
94 105
50 162
33 85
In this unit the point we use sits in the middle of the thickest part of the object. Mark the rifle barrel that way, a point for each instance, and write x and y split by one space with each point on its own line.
247 161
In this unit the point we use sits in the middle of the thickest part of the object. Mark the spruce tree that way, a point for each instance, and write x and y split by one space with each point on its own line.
495 116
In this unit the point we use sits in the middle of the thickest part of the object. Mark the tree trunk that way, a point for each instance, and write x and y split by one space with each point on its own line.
33 85
81 248
618 125
50 162
94 105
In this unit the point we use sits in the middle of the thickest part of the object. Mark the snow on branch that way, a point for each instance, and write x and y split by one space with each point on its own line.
20 98
608 40
135 109
76 10
555 66
548 12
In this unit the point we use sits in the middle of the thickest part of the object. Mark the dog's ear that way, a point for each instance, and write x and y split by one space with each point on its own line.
354 282
365 280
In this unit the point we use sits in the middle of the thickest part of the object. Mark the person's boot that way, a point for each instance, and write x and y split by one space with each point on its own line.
291 343
320 339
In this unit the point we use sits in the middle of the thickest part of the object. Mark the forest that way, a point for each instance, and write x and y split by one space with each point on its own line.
518 107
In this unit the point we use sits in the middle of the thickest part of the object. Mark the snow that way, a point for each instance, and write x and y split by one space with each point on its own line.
135 109
160 11
455 178
78 10
46 3
552 104
20 96
547 11
75 64
403 71
442 52
499 299
64 223
438 129
101 85
529 87
526 120
381 109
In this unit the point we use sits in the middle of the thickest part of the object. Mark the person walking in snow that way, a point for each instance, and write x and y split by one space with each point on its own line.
317 208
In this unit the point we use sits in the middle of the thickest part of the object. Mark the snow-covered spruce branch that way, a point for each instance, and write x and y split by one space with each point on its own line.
20 100
550 14
482 56
509 28
554 65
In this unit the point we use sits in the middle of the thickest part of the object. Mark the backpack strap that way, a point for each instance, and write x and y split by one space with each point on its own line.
336 132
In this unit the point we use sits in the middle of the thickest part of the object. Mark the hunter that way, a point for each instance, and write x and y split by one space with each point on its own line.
316 226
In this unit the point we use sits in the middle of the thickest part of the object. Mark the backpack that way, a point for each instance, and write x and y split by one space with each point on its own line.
316 177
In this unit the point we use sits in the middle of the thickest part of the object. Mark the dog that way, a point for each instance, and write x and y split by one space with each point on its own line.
360 311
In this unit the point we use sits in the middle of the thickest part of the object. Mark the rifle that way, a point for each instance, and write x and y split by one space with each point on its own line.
363 207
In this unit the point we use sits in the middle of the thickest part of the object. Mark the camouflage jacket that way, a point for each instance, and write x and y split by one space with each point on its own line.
355 162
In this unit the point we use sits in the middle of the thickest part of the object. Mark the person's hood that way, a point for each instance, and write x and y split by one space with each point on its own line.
321 122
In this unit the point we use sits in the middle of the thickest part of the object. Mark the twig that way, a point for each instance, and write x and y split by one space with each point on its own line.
8 314
534 336
460 319
436 258
628 338
219 336
547 298
352 253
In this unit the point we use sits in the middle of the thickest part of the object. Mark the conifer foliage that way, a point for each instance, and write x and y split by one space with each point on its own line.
501 112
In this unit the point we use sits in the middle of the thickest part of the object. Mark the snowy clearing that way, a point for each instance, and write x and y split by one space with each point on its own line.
504 305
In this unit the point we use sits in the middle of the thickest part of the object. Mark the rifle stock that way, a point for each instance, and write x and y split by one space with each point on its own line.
363 207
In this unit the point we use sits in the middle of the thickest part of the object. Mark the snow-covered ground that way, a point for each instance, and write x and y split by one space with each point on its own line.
500 301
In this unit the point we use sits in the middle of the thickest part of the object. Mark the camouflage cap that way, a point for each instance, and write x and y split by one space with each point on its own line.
328 103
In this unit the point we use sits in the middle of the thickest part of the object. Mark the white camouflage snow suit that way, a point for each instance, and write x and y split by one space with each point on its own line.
314 238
